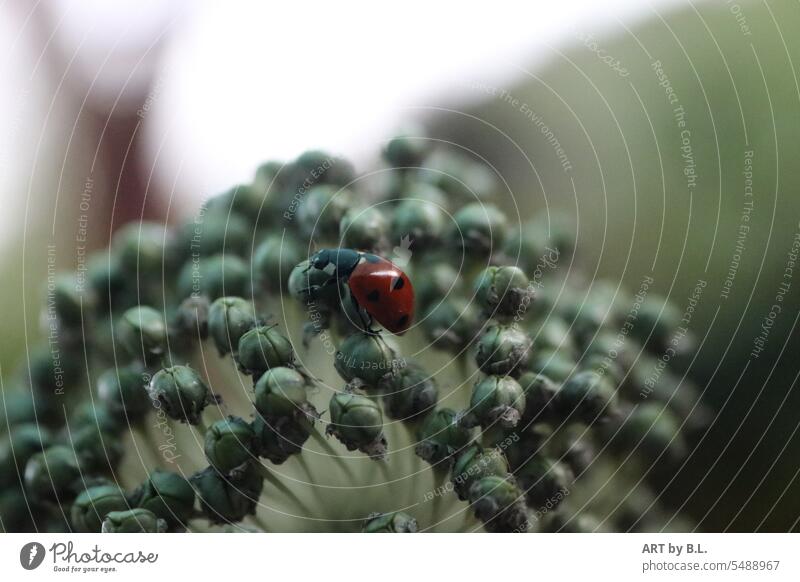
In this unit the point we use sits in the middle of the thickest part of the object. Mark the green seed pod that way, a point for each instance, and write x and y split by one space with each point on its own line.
357 422
71 305
320 167
51 372
274 260
181 393
321 210
657 322
96 414
229 444
452 325
543 481
141 248
540 394
191 319
227 499
497 502
459 176
97 452
479 230
364 229
410 393
24 441
394 522
441 437
108 282
52 474
557 365
91 507
213 231
527 246
587 397
503 350
168 496
496 399
214 277
279 438
421 222
229 318
123 392
653 431
142 331
262 348
474 463
441 280
369 358
504 292
133 521
552 333
407 149
312 288
15 516
281 393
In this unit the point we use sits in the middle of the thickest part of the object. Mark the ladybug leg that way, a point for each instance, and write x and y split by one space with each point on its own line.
364 317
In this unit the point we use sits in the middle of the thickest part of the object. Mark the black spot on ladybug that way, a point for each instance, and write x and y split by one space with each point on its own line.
373 296
398 284
402 321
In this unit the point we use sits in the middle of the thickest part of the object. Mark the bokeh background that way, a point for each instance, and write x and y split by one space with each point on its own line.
667 132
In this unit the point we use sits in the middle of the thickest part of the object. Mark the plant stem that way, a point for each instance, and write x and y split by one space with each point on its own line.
333 455
283 488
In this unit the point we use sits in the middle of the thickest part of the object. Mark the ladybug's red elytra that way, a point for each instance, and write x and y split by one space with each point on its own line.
377 285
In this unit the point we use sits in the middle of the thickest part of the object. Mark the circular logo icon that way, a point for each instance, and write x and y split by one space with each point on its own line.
31 555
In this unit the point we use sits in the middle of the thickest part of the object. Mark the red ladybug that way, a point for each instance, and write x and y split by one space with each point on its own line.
376 284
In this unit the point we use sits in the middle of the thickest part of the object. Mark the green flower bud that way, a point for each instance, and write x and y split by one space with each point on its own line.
214 277
459 176
527 246
225 499
394 522
123 392
320 167
543 481
369 358
321 211
410 393
474 463
281 393
96 414
441 280
141 247
91 507
229 318
69 303
421 222
503 350
229 444
357 422
168 496
441 437
452 324
313 287
587 397
364 229
142 331
214 230
496 399
552 333
97 452
279 438
15 516
504 292
191 319
653 431
52 474
107 280
133 521
24 441
657 322
540 394
52 370
274 260
16 407
181 392
557 365
497 502
262 348
479 231
407 149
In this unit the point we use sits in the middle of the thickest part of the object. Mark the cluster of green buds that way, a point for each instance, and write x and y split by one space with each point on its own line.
192 379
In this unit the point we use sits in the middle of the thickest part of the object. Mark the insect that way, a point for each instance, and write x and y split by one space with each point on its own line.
377 286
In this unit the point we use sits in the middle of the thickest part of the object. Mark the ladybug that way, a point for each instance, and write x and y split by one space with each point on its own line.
377 286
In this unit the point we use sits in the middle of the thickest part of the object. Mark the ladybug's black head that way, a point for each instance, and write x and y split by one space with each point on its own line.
340 262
